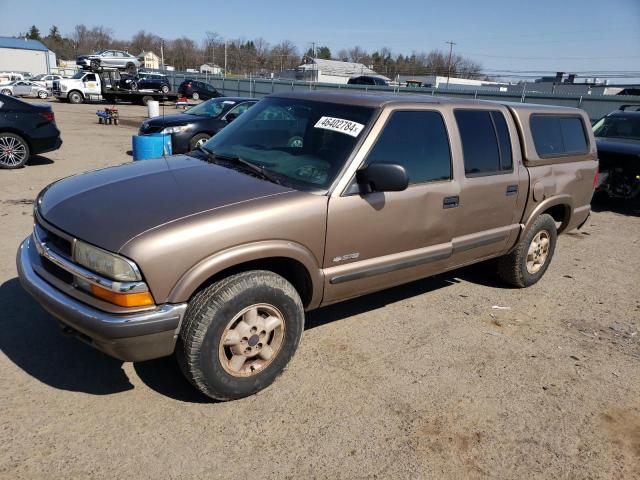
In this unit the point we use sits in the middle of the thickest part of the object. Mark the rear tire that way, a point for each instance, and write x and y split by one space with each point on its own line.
239 334
131 68
19 148
195 96
198 140
529 260
165 89
6 91
42 94
94 64
75 97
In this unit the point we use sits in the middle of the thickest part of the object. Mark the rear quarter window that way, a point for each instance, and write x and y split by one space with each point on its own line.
558 135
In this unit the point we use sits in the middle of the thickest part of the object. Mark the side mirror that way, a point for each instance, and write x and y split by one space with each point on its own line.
231 116
383 177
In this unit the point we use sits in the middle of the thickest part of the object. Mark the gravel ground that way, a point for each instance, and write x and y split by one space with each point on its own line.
426 380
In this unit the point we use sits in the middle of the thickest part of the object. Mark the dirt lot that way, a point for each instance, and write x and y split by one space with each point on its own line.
421 381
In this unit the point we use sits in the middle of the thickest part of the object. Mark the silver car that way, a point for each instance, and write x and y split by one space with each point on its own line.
24 88
109 58
46 80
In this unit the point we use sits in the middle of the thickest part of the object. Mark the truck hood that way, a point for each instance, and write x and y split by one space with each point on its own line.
109 207
621 146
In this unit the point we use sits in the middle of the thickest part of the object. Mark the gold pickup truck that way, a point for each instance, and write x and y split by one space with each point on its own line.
303 201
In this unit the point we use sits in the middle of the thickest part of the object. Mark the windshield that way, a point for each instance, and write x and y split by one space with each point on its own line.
305 142
618 126
210 108
38 77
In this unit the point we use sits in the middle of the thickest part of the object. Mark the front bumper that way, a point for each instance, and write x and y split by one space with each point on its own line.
131 338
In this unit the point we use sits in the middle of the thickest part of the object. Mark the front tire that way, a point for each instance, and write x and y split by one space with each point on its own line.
42 94
165 89
14 151
198 140
239 334
528 261
75 97
195 96
6 91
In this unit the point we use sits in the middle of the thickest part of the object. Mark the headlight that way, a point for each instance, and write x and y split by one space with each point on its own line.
108 264
177 129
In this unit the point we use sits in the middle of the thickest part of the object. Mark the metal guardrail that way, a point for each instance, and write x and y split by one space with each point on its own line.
596 106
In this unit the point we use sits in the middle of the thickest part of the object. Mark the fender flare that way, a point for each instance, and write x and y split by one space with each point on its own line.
563 199
197 275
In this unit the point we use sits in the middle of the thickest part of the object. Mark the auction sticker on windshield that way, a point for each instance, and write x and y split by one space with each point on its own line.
340 125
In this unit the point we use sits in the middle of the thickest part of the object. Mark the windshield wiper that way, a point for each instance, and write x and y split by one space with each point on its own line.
253 167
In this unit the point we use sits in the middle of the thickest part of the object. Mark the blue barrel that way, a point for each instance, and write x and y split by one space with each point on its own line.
168 149
151 146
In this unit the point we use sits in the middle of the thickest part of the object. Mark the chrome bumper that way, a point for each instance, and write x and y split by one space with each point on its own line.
135 337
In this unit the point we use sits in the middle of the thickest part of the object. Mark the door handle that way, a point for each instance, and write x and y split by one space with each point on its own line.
450 202
512 189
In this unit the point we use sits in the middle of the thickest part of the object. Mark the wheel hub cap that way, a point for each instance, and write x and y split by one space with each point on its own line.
538 251
252 340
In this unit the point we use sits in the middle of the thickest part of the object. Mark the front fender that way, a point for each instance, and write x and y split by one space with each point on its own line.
186 286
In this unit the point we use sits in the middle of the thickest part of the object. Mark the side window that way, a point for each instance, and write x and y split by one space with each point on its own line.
504 141
558 135
91 77
239 109
486 146
418 141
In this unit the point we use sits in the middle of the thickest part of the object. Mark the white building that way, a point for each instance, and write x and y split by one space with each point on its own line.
329 71
24 55
149 60
211 69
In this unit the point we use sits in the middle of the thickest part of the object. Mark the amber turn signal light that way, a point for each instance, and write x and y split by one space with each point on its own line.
123 299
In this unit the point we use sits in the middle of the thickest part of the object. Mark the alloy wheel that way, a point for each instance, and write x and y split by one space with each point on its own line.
252 340
12 151
538 251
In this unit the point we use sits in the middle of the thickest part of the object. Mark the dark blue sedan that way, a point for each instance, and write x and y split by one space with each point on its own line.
192 128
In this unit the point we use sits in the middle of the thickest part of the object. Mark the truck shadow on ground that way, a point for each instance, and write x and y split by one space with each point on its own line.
33 341
602 203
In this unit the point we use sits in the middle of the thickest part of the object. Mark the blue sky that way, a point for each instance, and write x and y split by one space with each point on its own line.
568 35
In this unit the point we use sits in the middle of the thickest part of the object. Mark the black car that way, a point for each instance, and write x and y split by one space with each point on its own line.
618 141
198 90
25 129
368 80
145 81
192 128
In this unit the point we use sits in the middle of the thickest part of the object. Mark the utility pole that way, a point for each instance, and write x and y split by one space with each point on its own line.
451 44
162 53
225 57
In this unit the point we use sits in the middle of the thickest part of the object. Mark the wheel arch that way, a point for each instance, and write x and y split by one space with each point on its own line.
20 134
292 261
560 207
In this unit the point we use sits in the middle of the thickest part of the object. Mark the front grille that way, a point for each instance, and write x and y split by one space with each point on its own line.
56 271
57 243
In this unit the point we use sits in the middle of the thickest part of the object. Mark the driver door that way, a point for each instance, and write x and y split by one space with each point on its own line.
376 240
22 88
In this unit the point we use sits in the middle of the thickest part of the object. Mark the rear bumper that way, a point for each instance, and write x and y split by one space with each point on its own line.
135 337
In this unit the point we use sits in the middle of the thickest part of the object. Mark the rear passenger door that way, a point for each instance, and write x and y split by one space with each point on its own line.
380 239
492 180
